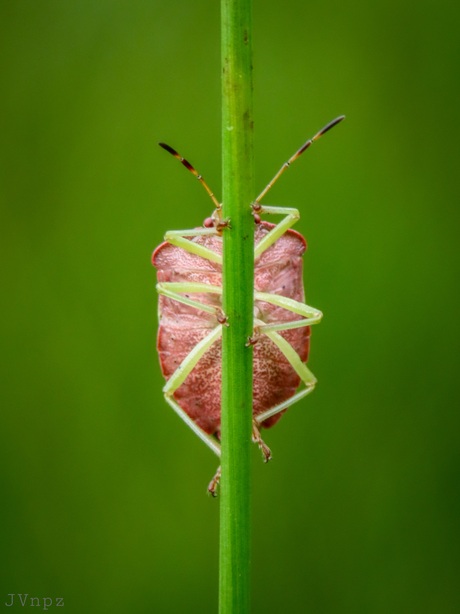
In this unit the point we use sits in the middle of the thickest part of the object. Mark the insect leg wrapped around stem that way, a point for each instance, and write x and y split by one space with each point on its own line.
179 239
311 315
179 376
291 217
294 360
176 290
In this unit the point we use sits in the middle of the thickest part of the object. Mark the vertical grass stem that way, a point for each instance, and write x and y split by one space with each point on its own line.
238 280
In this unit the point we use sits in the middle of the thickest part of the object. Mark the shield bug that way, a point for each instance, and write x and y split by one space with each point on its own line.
189 269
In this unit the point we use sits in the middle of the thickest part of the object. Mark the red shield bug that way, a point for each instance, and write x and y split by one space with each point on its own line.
191 318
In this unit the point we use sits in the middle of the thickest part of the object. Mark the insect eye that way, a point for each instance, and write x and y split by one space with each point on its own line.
208 223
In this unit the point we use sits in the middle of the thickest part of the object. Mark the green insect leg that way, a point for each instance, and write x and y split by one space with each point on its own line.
291 217
179 376
307 377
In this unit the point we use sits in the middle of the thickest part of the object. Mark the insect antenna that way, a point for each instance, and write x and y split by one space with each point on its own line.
191 168
298 153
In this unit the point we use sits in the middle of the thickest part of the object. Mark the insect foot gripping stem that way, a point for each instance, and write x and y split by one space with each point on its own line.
256 438
216 221
222 224
214 483
253 339
222 318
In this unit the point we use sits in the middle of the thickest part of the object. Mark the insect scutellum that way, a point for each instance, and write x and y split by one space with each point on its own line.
179 291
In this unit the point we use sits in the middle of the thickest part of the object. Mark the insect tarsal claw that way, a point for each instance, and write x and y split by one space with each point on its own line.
221 224
214 483
256 438
221 317
253 339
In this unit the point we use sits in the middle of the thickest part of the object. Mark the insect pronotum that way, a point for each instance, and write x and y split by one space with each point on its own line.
189 265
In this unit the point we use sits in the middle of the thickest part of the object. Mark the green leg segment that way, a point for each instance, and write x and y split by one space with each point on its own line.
178 238
292 215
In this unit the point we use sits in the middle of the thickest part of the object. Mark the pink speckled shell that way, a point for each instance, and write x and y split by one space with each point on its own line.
277 271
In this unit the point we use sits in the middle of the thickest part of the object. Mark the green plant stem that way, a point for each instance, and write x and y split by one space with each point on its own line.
238 281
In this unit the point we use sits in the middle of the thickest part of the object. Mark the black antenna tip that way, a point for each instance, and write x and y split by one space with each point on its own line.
331 124
168 148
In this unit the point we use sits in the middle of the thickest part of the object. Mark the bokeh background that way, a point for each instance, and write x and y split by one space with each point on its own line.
103 489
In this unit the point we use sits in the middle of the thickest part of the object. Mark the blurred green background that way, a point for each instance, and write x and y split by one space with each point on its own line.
103 487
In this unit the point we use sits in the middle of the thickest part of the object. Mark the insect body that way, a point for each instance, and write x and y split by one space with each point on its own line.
189 265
